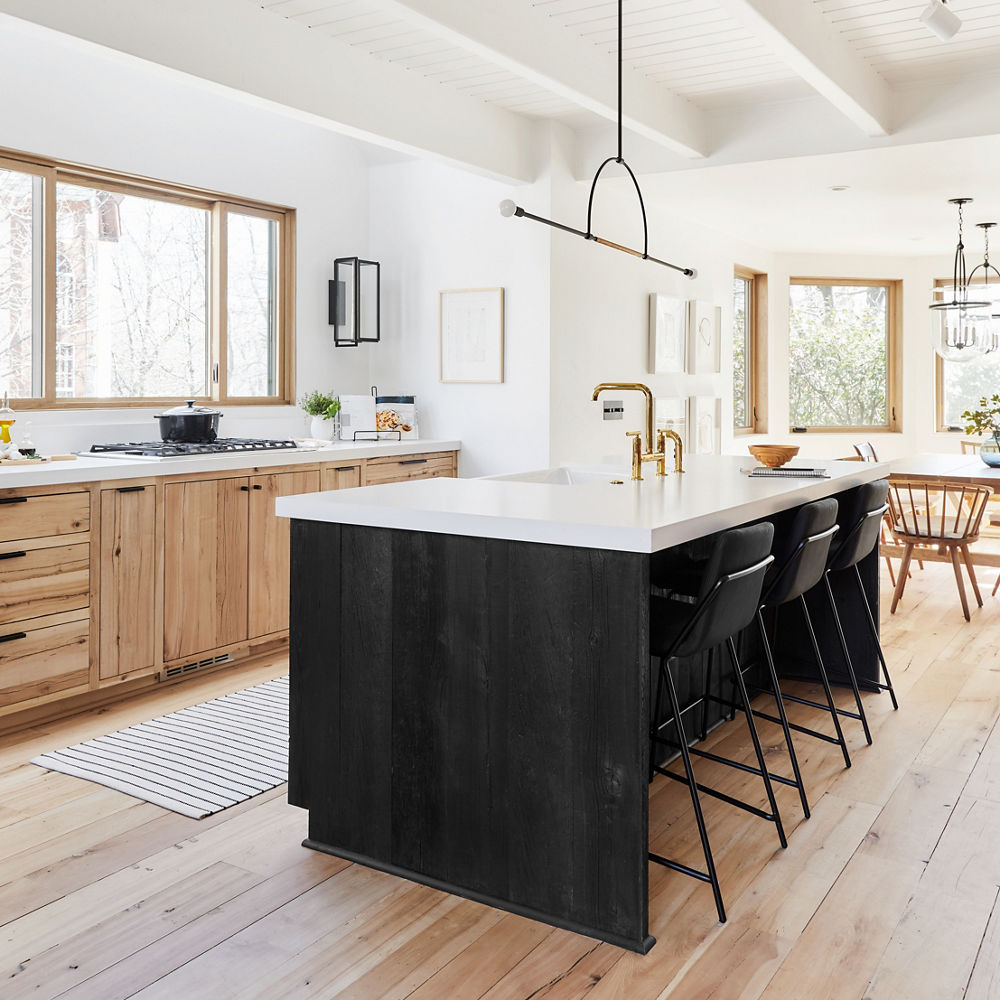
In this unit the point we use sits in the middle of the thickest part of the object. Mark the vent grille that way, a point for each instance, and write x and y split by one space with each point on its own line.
168 673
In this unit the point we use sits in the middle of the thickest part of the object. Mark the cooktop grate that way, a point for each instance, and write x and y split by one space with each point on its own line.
172 449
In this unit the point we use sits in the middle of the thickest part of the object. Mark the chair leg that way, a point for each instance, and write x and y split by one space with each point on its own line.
996 586
709 670
654 726
892 576
958 579
675 707
826 680
972 574
874 631
847 657
904 567
761 763
781 714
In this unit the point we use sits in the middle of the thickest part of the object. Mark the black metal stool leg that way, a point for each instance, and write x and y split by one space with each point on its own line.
695 801
874 631
784 718
654 727
709 670
847 657
826 682
761 763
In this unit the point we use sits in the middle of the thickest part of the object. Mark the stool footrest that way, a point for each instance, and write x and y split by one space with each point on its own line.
722 796
819 704
678 867
739 765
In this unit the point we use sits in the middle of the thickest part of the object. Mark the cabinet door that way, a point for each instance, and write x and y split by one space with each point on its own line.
341 477
205 566
128 580
268 583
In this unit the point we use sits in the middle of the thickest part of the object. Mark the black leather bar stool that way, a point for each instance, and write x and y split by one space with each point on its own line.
725 603
860 521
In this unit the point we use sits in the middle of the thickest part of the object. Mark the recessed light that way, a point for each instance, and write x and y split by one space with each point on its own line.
840 187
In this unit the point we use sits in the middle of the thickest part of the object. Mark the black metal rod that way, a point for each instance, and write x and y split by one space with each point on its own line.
847 657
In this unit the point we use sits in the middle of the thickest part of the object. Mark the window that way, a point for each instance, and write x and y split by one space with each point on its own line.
842 354
960 385
749 345
150 292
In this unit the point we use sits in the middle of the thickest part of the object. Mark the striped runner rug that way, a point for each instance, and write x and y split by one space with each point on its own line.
195 761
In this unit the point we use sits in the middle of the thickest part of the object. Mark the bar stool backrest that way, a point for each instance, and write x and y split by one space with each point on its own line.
860 521
730 590
947 512
866 451
800 553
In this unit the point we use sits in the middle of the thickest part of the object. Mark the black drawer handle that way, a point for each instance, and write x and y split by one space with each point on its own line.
13 636
131 489
12 555
413 461
245 489
13 499
345 468
257 486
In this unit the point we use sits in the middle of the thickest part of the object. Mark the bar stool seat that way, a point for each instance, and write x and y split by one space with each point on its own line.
724 603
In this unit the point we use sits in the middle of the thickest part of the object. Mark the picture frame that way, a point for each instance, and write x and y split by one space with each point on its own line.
705 425
671 413
668 335
704 338
471 335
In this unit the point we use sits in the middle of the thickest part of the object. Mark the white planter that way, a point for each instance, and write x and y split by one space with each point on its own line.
322 429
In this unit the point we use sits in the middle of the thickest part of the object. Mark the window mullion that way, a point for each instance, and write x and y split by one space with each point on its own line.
218 375
49 287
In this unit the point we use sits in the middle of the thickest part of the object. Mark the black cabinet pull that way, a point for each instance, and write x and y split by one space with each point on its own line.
245 489
131 489
13 636
413 461
345 468
13 499
257 486
12 555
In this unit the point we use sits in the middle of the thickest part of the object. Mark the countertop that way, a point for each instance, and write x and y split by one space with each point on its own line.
86 469
656 513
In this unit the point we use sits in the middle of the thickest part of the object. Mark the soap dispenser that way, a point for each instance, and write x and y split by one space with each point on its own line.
6 419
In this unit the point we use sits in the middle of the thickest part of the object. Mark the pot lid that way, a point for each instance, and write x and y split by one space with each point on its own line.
188 409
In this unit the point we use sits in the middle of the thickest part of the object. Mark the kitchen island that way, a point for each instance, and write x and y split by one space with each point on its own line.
470 675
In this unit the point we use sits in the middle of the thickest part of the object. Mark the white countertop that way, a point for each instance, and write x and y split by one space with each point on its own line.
656 513
86 469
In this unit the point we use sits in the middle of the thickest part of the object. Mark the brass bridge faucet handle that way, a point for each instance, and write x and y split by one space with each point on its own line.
636 437
661 446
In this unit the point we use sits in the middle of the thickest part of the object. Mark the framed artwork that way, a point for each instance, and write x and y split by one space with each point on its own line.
671 413
704 338
667 335
706 425
471 335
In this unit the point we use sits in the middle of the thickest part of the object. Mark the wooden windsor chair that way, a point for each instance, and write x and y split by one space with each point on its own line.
947 516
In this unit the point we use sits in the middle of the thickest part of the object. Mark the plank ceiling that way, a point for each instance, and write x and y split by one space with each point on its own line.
694 48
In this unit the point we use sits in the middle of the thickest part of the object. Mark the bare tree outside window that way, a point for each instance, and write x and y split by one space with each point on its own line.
838 346
17 285
741 385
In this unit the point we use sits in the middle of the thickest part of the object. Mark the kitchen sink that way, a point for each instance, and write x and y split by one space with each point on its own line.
567 475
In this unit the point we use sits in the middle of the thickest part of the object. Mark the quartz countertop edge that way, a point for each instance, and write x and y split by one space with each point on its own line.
87 469
712 495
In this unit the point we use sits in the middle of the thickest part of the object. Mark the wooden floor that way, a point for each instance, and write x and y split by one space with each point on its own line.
890 890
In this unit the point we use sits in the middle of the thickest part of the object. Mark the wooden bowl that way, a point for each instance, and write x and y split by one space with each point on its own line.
774 455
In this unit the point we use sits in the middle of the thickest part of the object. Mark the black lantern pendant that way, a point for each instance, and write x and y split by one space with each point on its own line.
354 302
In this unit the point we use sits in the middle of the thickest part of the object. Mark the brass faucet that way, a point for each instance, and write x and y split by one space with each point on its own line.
638 454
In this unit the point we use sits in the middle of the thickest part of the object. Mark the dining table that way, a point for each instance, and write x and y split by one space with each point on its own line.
932 468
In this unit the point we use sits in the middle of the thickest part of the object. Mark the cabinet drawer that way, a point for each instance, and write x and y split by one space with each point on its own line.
44 581
407 467
49 514
39 661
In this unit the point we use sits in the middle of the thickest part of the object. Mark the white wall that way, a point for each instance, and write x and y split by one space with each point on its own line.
436 228
75 105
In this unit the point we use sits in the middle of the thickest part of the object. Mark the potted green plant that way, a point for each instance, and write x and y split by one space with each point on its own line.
323 408
986 421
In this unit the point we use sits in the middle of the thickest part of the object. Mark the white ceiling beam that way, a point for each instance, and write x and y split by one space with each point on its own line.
277 63
536 48
798 34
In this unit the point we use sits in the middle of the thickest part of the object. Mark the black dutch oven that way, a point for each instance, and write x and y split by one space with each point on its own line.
194 424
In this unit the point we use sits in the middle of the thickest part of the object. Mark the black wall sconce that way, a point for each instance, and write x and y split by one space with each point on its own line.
355 294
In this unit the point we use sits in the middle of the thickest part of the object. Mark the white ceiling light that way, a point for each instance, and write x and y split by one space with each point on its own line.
942 21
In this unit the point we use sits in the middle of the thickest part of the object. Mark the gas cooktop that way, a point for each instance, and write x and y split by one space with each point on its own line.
185 449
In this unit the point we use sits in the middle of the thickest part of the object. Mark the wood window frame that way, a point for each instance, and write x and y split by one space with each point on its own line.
894 354
756 350
218 205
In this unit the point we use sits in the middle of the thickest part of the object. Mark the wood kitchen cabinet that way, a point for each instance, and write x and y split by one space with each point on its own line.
340 477
128 581
268 549
204 565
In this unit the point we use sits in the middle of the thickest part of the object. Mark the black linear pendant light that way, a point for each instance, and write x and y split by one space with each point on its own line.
509 208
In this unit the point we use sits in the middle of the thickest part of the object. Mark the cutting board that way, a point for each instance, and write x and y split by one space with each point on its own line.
37 461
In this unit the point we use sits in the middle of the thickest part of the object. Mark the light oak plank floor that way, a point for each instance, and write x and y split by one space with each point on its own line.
891 890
